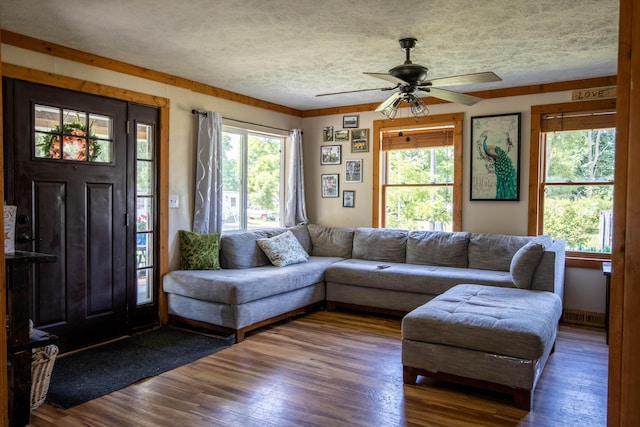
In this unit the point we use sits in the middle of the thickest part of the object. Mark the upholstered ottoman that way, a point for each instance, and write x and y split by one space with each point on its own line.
484 336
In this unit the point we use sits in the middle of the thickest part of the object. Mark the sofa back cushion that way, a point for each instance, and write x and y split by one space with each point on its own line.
494 251
439 248
330 241
380 244
240 250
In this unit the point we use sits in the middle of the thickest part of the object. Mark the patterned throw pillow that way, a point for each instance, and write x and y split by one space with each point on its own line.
283 249
199 251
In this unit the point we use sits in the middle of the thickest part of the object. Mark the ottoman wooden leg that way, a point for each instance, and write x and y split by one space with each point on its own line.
409 375
523 398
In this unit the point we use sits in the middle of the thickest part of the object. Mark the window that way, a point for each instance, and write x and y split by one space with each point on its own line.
575 159
145 203
251 179
418 167
70 135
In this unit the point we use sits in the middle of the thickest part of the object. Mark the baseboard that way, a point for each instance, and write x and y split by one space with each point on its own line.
581 317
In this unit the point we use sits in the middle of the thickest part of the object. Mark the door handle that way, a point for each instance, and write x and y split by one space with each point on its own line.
23 238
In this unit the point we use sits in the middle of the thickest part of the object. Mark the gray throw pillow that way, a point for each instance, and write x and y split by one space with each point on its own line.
524 264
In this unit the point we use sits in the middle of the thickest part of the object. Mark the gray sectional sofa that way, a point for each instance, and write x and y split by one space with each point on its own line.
383 270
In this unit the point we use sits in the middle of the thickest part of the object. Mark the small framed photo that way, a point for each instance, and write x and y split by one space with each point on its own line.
327 134
330 154
330 185
360 141
350 121
342 135
352 171
348 198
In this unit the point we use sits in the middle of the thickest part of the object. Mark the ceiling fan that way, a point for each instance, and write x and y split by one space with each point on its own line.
411 79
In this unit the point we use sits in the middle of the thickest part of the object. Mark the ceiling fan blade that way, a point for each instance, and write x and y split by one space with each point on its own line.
464 79
448 95
358 90
389 78
390 100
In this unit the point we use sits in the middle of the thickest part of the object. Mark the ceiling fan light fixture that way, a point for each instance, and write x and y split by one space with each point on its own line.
392 109
418 106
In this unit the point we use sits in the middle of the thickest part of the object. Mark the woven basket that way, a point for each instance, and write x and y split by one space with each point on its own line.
41 367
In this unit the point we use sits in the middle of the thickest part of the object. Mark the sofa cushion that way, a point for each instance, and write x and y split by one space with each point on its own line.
494 251
234 287
512 322
302 234
240 250
199 251
420 279
380 244
525 262
438 248
283 249
331 241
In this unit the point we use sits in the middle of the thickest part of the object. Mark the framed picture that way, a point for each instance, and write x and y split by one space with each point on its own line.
327 134
360 141
350 121
348 198
495 157
342 135
352 171
330 185
330 154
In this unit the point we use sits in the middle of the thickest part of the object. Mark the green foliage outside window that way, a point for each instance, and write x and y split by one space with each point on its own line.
580 214
419 194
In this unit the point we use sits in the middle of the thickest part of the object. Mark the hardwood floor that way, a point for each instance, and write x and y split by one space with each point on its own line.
342 369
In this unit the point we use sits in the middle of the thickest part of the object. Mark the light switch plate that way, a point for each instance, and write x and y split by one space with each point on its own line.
174 201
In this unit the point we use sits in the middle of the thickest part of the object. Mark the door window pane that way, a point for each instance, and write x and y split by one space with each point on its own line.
72 135
145 202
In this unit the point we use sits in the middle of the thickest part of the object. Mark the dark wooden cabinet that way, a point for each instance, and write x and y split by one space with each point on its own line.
19 341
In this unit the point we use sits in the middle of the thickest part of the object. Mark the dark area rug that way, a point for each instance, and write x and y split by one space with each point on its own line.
97 371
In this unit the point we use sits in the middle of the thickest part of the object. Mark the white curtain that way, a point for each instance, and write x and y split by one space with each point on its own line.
295 211
207 216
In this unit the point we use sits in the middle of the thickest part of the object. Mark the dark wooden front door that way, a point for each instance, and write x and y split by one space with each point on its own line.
71 207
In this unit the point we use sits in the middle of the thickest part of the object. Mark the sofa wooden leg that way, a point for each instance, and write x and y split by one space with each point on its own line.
409 375
523 398
331 306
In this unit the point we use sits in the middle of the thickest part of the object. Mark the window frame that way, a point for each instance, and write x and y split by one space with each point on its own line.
243 171
536 174
379 165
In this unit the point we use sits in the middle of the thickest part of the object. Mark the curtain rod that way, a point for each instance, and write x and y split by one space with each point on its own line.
204 113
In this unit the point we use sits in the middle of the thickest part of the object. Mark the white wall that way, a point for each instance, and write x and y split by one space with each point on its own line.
584 288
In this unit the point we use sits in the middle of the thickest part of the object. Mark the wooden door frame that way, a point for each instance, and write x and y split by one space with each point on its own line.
624 341
4 385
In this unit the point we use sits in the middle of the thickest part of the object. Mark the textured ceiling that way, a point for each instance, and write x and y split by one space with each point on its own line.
287 51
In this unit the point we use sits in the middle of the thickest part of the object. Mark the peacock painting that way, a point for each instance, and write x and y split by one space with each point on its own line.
495 175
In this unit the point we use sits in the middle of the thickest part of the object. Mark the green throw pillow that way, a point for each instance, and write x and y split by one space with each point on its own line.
283 249
199 251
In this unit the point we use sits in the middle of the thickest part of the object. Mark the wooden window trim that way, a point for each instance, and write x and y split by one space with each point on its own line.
407 124
536 186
